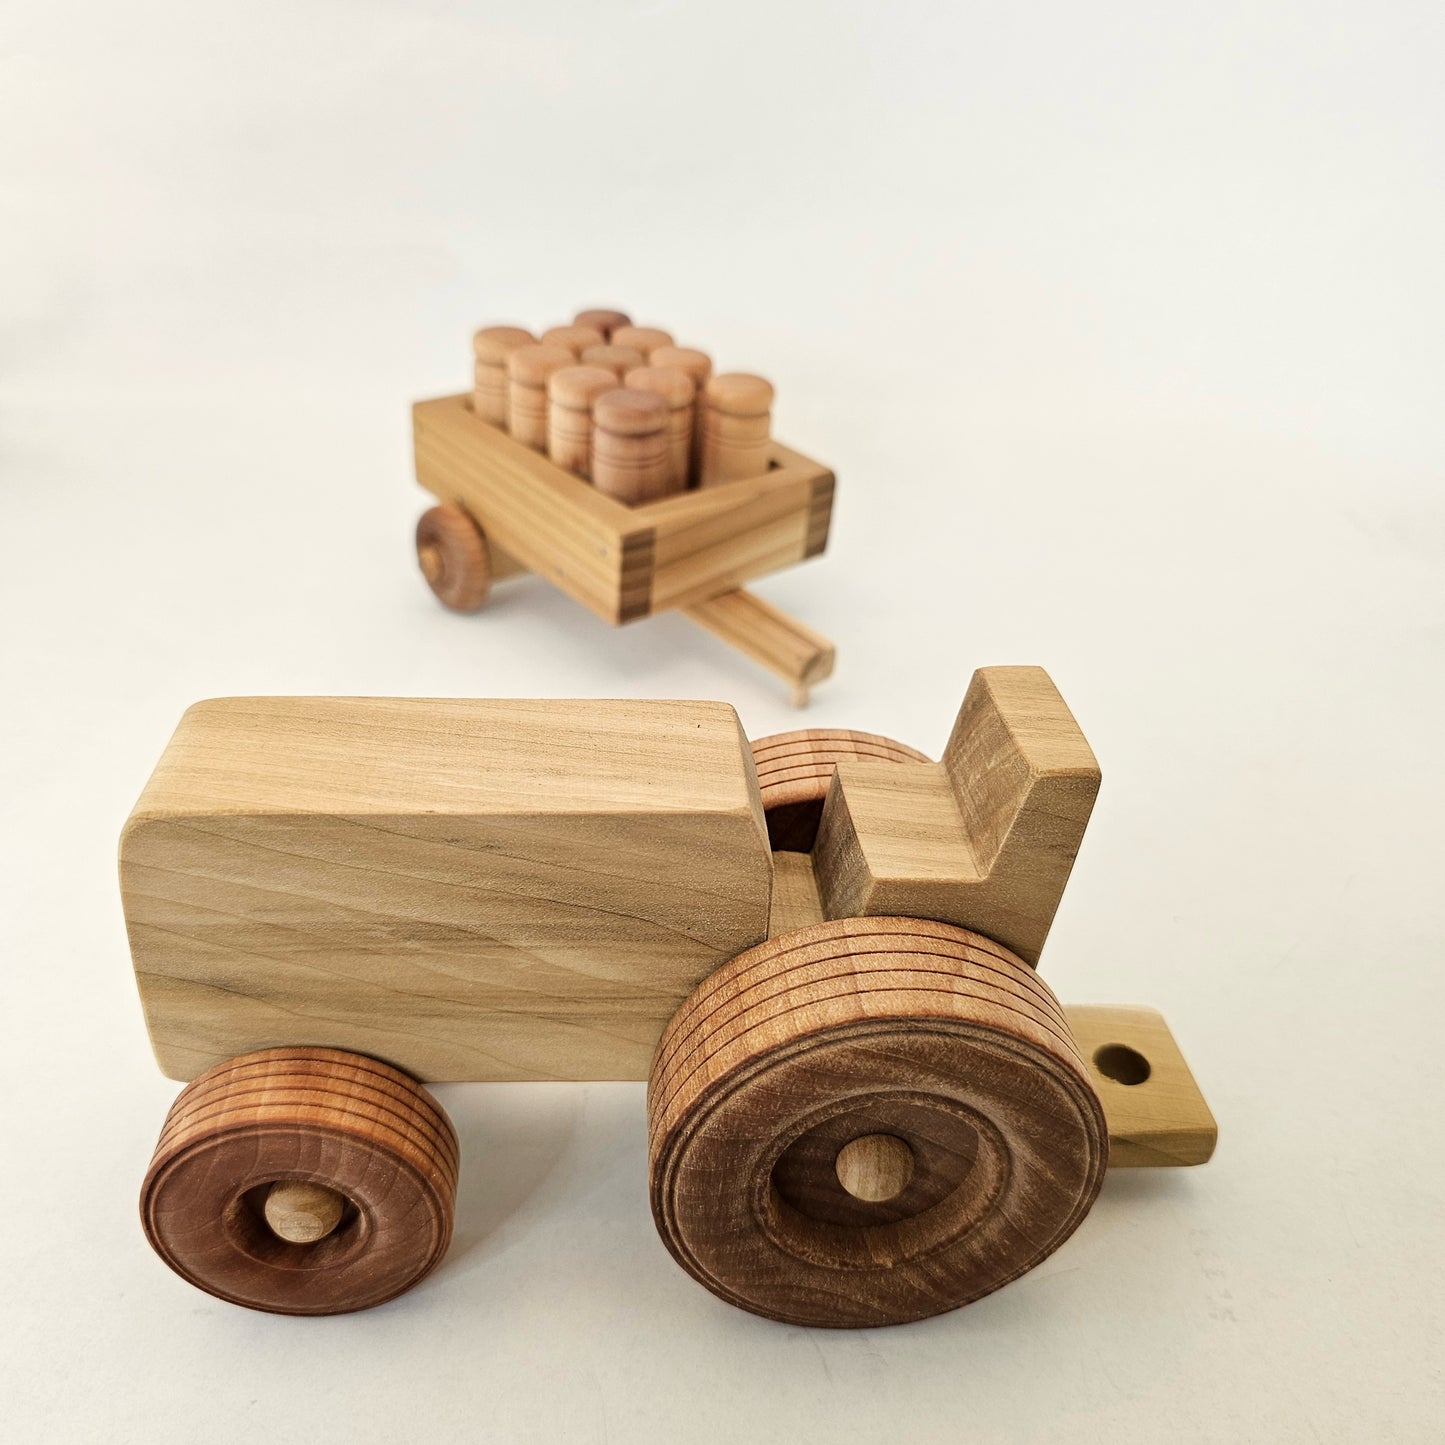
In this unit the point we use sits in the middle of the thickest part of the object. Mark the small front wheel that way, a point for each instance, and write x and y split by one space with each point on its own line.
302 1181
454 557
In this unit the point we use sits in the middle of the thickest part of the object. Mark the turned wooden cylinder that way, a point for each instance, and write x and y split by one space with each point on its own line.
645 339
629 445
491 346
575 338
737 423
618 359
675 387
570 394
529 368
698 366
602 320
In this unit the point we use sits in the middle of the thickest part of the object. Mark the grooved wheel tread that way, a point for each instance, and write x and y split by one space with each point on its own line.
349 1123
904 1028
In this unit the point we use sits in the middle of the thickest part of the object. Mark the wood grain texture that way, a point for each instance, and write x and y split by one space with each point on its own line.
570 394
675 387
529 368
919 1031
490 347
795 894
720 538
470 890
621 562
1157 1115
986 838
768 635
553 523
454 558
629 445
736 418
358 1128
795 771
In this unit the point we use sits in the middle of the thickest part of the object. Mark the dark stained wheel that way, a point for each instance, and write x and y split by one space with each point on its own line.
870 1121
454 558
302 1181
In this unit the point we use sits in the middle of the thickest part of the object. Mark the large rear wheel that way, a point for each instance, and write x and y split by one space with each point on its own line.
870 1121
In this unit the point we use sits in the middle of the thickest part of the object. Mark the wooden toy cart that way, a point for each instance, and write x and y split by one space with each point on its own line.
506 508
864 1105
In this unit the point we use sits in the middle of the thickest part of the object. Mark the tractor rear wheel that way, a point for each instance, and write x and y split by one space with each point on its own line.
795 770
870 1121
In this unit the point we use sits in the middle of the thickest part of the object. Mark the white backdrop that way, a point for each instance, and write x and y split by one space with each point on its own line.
1122 326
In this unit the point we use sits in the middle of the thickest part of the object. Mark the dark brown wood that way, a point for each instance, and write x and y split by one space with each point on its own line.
454 558
795 769
349 1123
920 1032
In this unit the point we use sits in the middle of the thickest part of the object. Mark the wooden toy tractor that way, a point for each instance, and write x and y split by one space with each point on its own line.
864 1106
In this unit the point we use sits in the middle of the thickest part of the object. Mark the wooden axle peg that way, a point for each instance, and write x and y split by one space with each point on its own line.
737 423
629 445
570 394
618 359
645 339
602 320
575 338
301 1212
874 1167
491 346
529 368
675 387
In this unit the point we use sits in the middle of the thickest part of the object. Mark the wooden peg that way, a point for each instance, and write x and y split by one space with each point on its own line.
491 346
629 445
301 1212
645 338
618 359
698 365
736 428
528 370
570 394
575 338
675 387
602 320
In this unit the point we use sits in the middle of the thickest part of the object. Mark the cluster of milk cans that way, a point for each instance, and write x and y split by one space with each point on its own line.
623 406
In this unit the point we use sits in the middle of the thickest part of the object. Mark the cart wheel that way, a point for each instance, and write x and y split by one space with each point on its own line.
795 770
302 1181
454 558
870 1121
